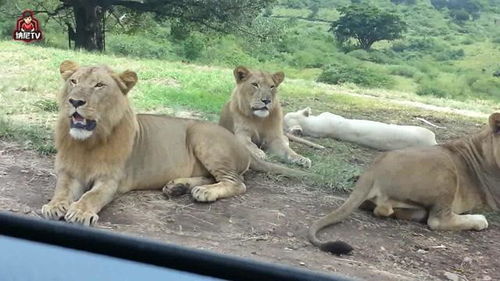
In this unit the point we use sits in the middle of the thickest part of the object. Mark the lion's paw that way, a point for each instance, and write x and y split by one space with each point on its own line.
173 189
302 161
55 210
204 194
259 154
296 131
77 214
480 222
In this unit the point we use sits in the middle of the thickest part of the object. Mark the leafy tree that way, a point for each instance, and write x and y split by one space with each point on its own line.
220 15
407 2
459 8
367 24
460 15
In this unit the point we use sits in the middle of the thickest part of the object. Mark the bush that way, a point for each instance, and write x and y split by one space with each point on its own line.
192 48
450 55
487 87
459 15
430 90
373 56
138 46
403 70
357 74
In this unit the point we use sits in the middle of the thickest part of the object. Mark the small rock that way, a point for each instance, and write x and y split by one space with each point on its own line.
486 278
382 248
421 251
302 263
254 252
451 276
26 210
290 234
467 260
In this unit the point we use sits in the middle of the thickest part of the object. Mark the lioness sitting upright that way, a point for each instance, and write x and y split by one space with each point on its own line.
255 116
104 149
439 184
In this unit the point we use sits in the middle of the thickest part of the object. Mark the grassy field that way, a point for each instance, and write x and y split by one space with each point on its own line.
29 81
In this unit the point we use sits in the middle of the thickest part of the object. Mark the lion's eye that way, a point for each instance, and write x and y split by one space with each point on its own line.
72 81
99 85
272 86
255 85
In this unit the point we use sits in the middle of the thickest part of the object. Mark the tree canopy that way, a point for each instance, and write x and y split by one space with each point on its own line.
219 15
367 24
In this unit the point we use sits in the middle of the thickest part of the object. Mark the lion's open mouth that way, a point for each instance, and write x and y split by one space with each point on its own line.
259 108
78 122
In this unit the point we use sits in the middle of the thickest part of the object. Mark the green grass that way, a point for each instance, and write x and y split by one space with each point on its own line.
30 81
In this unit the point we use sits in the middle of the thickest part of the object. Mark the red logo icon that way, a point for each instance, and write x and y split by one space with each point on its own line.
27 28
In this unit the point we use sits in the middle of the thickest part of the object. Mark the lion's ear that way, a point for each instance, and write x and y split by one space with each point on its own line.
67 68
129 78
495 122
278 77
306 111
241 73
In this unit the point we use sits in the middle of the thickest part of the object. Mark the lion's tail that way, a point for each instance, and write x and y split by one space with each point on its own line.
264 166
304 141
357 197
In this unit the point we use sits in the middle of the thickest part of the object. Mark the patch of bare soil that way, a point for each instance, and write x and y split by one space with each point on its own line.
269 223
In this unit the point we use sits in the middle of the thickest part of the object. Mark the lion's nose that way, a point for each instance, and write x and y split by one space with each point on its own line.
77 103
266 101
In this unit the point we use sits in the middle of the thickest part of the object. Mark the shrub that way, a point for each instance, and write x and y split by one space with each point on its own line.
450 55
139 46
373 56
192 48
468 41
430 90
403 70
489 87
357 74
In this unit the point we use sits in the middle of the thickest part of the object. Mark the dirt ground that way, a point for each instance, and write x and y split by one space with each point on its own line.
269 223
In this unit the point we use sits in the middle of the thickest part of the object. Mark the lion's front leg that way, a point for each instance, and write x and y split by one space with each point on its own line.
252 147
85 210
279 147
67 190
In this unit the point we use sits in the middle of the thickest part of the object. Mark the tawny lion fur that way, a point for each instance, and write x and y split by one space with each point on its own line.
438 184
255 116
127 151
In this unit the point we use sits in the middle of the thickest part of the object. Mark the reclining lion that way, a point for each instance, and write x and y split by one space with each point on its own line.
372 134
438 184
104 149
255 116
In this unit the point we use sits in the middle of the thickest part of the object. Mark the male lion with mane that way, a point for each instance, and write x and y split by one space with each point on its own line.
438 184
104 149
255 116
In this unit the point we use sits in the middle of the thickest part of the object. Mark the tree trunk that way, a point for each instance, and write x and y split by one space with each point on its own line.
89 25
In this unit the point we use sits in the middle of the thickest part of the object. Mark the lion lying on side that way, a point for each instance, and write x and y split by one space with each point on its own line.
255 116
104 149
372 134
435 183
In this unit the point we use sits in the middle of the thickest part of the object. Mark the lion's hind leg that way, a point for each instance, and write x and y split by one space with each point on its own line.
400 210
448 220
411 214
224 157
182 186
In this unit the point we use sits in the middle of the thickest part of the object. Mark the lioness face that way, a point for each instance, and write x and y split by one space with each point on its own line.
93 98
258 90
